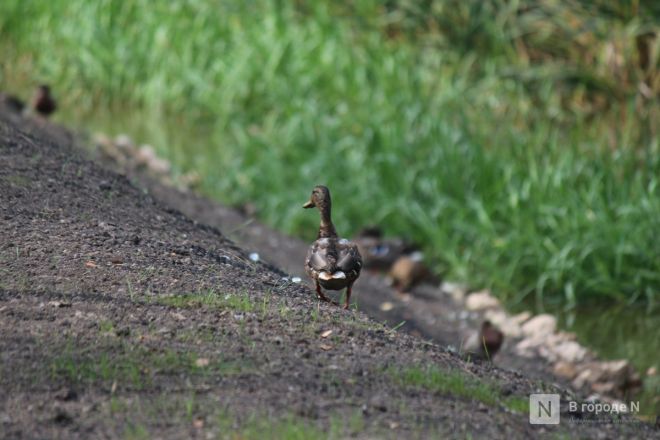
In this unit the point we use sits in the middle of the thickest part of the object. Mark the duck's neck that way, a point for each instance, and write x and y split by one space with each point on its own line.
326 229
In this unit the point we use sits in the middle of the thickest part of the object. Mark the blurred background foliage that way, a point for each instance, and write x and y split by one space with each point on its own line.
515 140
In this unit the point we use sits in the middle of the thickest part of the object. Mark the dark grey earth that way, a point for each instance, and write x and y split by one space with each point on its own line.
122 317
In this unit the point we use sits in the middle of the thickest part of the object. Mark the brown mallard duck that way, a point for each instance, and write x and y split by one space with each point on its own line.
485 343
12 103
43 101
380 253
409 271
333 263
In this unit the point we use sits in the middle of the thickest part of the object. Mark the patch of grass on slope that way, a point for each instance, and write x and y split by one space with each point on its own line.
457 384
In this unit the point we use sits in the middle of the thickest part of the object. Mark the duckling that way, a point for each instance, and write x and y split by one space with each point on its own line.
333 263
43 102
12 103
485 343
408 271
380 253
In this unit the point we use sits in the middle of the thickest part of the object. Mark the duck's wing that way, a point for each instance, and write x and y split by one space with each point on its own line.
349 259
320 256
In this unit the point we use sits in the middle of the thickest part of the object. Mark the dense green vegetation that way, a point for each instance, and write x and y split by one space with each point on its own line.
517 140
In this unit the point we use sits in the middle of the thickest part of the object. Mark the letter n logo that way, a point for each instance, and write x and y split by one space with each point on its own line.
544 409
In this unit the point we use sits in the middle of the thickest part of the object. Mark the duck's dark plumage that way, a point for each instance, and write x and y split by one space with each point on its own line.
333 263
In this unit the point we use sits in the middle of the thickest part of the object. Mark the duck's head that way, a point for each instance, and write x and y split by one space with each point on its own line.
486 326
490 331
320 198
43 90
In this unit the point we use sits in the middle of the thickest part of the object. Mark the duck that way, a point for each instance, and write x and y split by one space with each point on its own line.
484 343
43 101
12 103
381 253
333 263
409 271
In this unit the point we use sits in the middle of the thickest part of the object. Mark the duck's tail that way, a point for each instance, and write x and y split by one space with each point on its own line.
337 275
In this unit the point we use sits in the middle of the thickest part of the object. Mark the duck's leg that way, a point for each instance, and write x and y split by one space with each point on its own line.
319 293
322 297
348 296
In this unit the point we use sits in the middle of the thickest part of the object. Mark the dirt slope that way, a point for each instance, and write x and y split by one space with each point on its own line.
120 317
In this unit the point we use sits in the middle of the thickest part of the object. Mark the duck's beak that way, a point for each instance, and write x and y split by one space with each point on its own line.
308 205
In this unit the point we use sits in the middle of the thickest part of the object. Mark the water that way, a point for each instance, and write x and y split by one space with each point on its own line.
620 332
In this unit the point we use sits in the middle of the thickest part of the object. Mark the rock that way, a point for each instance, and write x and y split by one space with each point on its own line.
123 332
201 362
564 369
614 378
109 149
528 347
66 395
386 306
520 318
125 143
378 402
504 322
59 304
456 291
145 155
540 325
570 351
584 377
62 417
481 301
159 165
652 371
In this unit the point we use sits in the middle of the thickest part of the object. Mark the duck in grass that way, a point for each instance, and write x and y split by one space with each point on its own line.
333 263
485 342
43 102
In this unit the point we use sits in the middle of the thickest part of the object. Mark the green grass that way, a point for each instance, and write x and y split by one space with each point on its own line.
131 366
263 427
457 384
497 134
253 425
240 303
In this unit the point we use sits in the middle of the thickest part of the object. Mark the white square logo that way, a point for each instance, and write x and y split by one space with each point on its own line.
544 409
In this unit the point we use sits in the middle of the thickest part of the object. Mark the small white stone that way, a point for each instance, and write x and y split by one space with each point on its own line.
481 301
541 325
296 279
254 256
521 317
502 320
570 351
386 306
